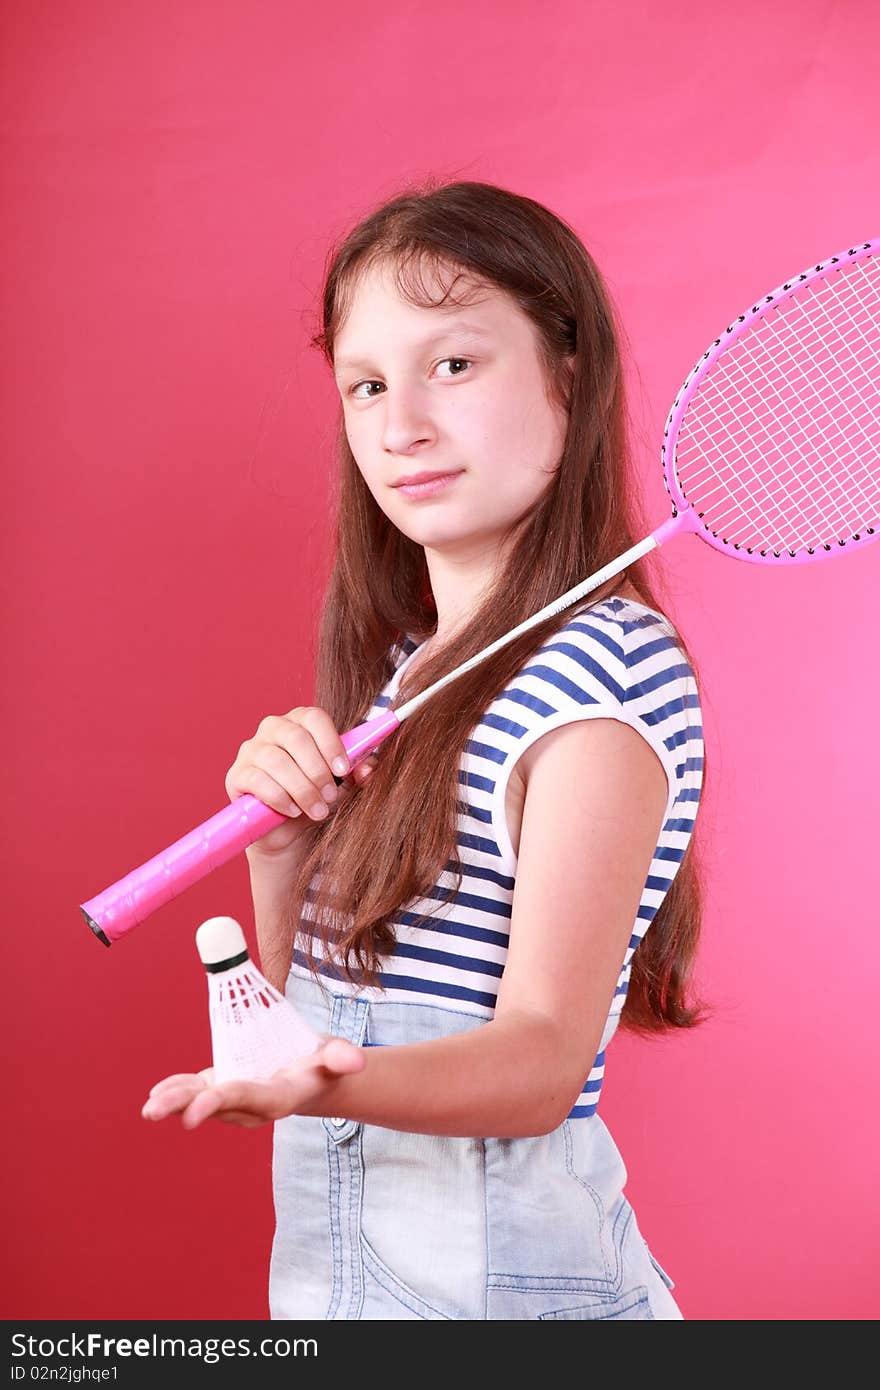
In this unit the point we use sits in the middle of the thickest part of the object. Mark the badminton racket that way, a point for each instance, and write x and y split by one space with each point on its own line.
770 455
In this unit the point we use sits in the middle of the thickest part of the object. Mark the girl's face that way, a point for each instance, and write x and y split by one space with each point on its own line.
447 389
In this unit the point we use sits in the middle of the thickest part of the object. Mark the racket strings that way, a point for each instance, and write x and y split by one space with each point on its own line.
818 500
814 384
778 449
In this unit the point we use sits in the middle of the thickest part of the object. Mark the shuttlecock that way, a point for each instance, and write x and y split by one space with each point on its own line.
254 1029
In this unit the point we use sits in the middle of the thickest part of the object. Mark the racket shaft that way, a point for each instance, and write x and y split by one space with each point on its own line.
684 521
132 899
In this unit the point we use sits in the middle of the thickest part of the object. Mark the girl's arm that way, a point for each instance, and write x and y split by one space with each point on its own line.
271 876
594 806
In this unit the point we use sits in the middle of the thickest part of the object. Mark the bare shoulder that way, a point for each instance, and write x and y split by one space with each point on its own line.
601 746
615 740
596 796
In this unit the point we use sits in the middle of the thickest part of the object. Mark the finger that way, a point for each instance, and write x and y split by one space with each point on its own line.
169 1101
364 769
274 783
202 1107
310 737
336 1055
340 1056
328 743
240 1117
243 1118
240 1102
302 781
181 1077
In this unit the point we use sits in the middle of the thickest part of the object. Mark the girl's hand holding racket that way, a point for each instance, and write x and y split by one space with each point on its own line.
291 765
301 1088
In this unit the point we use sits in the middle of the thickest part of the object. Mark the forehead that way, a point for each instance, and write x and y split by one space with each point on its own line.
379 308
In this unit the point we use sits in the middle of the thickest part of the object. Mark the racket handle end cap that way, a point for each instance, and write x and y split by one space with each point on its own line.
95 928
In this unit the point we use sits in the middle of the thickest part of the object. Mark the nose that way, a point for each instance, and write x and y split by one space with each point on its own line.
407 420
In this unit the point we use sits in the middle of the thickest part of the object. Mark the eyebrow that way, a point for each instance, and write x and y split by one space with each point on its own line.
460 327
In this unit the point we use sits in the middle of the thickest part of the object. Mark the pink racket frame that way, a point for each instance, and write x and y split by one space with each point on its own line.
684 517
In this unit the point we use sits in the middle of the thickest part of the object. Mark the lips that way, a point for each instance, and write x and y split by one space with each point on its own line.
415 479
438 485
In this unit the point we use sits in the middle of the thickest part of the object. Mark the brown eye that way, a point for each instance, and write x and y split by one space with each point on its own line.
358 386
466 360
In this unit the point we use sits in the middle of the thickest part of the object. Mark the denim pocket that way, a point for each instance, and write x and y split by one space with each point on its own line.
386 1294
422 1220
633 1304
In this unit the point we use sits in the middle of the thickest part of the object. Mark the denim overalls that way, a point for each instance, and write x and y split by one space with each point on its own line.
378 1223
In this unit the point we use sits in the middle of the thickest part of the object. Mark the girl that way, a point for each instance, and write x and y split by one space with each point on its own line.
509 877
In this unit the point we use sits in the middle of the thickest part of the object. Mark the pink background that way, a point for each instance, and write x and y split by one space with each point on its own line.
173 176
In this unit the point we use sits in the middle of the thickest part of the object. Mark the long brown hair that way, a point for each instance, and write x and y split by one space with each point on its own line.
386 843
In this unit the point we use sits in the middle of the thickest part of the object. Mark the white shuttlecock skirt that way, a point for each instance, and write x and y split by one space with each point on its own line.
254 1029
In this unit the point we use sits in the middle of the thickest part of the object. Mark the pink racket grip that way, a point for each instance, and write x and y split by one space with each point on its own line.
131 900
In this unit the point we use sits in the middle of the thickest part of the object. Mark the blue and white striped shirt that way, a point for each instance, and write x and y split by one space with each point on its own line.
614 659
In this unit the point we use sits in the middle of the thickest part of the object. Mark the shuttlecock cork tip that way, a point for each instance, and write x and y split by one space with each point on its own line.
220 938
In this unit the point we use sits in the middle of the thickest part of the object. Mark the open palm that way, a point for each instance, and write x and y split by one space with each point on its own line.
297 1089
